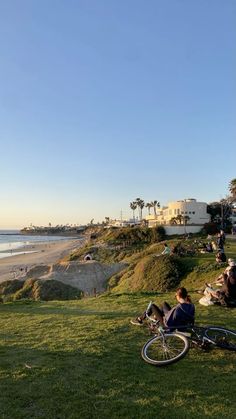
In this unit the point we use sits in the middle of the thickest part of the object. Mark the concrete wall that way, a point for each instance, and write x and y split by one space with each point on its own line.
170 230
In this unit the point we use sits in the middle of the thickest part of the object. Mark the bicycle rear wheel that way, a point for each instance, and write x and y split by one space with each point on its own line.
223 338
165 349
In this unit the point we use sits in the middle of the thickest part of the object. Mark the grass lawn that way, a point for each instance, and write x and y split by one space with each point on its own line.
81 359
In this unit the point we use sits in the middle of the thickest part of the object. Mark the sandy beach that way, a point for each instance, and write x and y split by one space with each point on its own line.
44 253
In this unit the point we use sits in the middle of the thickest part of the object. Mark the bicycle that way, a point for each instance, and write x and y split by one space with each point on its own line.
168 347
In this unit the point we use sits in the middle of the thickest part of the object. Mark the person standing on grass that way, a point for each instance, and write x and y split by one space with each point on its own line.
220 241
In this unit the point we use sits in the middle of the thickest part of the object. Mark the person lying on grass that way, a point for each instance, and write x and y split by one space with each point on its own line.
179 315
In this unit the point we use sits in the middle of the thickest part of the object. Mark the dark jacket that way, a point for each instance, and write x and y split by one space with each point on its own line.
229 286
180 315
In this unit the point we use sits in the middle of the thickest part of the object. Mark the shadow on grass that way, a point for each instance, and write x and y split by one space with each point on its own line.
106 378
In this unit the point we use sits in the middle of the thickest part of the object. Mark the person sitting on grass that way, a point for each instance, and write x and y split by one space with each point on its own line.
220 256
179 315
220 279
226 296
166 251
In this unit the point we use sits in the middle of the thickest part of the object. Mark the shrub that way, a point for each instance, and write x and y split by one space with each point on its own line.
158 234
155 274
47 290
211 228
10 287
54 290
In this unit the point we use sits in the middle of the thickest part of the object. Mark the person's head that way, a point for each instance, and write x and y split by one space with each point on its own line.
165 244
182 294
232 263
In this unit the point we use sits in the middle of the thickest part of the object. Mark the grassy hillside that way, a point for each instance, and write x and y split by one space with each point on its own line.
73 359
82 359
139 248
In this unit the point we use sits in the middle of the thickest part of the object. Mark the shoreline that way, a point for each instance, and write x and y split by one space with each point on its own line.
13 267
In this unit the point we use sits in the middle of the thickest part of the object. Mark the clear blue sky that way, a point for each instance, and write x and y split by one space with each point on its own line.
104 101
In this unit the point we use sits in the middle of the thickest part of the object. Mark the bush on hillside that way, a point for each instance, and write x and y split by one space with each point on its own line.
210 228
208 267
10 287
55 290
158 234
47 290
154 273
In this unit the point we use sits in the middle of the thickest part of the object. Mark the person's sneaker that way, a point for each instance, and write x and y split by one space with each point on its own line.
137 322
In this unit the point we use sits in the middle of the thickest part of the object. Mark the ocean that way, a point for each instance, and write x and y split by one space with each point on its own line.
11 240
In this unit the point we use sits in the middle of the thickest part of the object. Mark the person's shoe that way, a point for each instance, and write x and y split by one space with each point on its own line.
137 322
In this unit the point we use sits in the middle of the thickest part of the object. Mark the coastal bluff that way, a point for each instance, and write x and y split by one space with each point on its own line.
85 276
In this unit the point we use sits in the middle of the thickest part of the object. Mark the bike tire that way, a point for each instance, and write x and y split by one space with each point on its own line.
165 349
222 338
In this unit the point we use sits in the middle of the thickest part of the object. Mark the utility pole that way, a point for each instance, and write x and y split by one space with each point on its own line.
222 216
184 217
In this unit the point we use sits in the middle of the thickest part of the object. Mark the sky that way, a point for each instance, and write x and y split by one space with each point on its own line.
105 101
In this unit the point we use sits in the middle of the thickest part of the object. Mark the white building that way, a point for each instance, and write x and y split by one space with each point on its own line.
195 213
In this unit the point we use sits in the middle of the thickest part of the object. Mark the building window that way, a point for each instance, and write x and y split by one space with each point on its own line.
193 212
182 212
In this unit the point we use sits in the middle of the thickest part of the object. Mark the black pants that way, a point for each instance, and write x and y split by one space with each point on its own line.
157 312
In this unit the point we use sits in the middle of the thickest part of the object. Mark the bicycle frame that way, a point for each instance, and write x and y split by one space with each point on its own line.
196 334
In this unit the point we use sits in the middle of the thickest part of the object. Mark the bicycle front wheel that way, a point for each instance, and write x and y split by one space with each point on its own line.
222 338
165 349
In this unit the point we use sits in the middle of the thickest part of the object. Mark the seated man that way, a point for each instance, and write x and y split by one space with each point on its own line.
180 315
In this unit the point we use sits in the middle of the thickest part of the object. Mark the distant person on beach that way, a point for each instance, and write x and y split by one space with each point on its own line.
179 315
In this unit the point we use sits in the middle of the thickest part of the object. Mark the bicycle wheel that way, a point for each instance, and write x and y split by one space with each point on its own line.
222 338
165 349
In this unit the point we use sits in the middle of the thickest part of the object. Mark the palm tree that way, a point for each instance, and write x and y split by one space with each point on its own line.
133 206
107 220
155 205
148 206
186 218
232 189
140 204
179 219
173 221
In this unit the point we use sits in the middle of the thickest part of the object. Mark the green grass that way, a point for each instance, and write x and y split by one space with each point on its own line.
85 363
